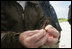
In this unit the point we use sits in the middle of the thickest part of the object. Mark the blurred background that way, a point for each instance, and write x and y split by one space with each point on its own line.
61 8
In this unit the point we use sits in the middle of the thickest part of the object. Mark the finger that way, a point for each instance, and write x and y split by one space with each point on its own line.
54 32
41 41
27 34
50 29
37 36
31 41
30 33
52 41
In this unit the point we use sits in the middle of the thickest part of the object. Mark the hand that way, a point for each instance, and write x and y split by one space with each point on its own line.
33 39
52 34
